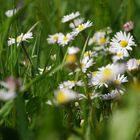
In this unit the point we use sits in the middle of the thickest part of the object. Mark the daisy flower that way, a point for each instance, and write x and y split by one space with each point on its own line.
82 27
11 12
120 55
64 95
53 39
20 38
76 22
106 74
70 17
122 42
65 39
99 38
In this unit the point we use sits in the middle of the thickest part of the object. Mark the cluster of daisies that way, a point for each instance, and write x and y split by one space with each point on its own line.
105 82
76 24
85 79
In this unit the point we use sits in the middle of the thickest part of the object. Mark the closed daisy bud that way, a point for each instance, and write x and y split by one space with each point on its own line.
71 58
128 26
10 13
82 122
133 64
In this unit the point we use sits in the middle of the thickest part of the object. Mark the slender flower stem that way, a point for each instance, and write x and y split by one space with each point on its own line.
26 53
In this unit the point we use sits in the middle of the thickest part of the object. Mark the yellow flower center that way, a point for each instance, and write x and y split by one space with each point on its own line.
123 43
80 27
65 38
119 54
94 73
138 61
71 58
107 73
72 81
83 65
55 38
86 54
117 82
61 98
102 40
19 38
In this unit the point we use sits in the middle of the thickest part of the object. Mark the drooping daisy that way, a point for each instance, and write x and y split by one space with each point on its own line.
120 56
41 70
63 96
20 38
70 17
70 84
53 39
65 39
82 27
112 95
10 13
76 22
133 64
87 61
122 42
